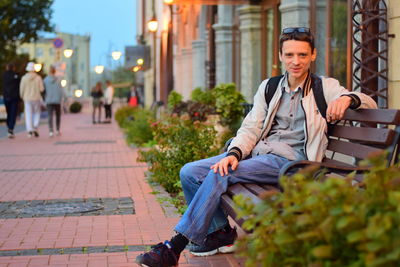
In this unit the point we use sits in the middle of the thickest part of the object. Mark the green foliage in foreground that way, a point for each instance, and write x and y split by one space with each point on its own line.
179 140
329 223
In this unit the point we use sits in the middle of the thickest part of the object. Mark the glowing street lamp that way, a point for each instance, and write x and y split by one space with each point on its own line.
68 53
37 67
136 68
63 83
116 55
99 69
78 93
152 25
168 2
140 61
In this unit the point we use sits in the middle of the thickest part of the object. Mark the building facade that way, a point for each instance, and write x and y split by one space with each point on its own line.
206 42
75 69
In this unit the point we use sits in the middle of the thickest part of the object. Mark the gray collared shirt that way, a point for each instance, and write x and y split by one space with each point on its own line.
286 137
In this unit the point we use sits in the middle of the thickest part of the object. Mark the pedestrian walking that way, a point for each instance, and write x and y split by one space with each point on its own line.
11 81
278 130
53 99
133 99
97 94
31 88
108 100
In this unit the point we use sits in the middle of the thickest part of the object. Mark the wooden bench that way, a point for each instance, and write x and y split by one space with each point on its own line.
360 133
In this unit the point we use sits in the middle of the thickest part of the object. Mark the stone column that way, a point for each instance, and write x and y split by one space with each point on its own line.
296 13
250 28
223 43
199 48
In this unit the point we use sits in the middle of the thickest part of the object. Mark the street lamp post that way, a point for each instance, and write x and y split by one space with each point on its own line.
153 26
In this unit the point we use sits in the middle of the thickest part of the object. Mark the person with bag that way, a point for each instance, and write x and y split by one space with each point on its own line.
31 88
290 126
97 94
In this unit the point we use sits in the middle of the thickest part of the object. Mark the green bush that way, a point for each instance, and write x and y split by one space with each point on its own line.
326 223
75 107
179 140
137 129
124 114
204 97
228 103
174 99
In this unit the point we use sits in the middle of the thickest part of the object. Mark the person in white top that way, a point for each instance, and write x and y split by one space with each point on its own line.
31 88
108 99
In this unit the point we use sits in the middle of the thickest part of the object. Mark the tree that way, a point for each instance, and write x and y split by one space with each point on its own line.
20 22
122 76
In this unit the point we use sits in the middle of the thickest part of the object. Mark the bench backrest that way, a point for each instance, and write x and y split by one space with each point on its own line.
365 131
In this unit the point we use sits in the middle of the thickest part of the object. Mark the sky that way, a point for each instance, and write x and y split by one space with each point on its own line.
110 23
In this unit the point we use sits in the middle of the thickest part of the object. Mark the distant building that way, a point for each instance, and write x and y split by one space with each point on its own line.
75 70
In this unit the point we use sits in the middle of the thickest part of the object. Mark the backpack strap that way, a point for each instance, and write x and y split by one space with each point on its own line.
316 84
271 87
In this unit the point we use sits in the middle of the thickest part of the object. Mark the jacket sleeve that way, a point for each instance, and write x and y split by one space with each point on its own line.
333 90
22 88
251 128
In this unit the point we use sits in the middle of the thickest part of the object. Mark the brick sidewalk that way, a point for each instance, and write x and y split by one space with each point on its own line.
86 163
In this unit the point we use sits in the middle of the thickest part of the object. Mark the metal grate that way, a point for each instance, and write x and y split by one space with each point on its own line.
66 207
370 54
84 142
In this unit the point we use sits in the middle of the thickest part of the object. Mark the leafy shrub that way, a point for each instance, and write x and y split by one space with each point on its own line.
138 130
75 107
228 103
204 97
124 114
179 140
329 223
174 99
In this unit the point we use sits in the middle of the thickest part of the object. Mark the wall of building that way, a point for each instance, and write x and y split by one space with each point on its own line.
394 53
76 70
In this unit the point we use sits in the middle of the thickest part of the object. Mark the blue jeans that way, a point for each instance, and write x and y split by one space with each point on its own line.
203 189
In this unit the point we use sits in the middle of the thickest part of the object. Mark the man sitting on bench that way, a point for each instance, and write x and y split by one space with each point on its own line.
288 122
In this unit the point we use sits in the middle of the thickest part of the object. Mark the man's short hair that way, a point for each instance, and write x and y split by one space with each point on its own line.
298 34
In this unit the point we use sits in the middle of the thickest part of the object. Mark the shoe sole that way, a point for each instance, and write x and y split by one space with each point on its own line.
144 265
222 250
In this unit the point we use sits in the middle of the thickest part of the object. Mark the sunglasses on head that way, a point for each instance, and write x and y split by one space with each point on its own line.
296 29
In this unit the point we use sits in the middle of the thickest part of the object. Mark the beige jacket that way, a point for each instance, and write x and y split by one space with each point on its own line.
258 122
31 86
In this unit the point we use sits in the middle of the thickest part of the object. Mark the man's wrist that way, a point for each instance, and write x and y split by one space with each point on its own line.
236 152
355 101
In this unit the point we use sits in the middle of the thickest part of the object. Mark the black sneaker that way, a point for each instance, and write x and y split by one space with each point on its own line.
161 255
218 242
10 134
35 133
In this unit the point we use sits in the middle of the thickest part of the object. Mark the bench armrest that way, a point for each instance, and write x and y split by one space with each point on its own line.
294 166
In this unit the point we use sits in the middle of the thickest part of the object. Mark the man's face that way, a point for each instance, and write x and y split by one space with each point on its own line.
297 56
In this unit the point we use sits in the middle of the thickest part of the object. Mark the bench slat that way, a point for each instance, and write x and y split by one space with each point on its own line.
352 149
384 116
237 189
377 136
254 188
227 204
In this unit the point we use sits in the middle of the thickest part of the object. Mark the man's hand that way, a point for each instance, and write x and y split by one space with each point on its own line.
336 109
223 164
